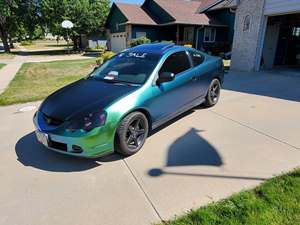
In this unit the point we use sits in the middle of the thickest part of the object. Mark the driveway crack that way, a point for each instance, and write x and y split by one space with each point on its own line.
143 190
256 130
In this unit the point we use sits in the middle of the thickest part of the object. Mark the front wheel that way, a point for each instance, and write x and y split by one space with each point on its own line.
213 93
132 133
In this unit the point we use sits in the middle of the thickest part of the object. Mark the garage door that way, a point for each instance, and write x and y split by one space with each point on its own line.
118 42
274 7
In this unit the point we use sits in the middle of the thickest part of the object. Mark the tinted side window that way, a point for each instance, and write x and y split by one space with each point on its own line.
197 58
176 63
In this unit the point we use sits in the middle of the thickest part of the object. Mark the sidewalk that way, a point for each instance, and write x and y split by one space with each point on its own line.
7 73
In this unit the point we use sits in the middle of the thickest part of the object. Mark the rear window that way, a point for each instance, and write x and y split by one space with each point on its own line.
197 58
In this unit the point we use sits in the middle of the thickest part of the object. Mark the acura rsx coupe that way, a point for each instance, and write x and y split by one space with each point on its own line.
116 106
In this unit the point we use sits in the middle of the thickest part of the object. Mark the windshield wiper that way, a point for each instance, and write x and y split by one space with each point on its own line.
121 82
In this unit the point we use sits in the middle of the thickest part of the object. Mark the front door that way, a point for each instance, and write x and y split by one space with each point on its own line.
188 35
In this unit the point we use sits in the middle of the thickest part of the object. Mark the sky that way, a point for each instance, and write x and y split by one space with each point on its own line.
130 1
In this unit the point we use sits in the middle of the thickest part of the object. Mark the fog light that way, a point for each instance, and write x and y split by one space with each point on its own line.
76 149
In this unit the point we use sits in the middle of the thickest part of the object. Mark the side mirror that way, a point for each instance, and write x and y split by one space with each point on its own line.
165 77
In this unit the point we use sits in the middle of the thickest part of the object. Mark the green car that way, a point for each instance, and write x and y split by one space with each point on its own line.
116 106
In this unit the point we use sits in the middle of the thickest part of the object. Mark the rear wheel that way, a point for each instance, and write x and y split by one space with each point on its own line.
213 93
132 133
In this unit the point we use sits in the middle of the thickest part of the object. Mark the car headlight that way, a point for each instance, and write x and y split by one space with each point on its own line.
88 122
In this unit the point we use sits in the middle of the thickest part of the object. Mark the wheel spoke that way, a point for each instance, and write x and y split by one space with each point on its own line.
215 88
129 140
131 129
140 132
135 141
137 124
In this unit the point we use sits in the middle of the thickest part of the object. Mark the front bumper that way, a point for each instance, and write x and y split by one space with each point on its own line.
89 145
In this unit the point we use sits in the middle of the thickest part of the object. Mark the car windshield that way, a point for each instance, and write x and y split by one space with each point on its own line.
129 67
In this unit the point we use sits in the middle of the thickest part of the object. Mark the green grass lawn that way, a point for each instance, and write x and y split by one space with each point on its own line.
2 65
47 44
35 81
275 202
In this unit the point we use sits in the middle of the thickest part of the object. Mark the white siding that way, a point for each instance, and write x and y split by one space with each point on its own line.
274 7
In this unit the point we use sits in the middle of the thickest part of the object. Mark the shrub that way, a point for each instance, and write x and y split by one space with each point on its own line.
98 48
26 42
107 55
104 57
139 41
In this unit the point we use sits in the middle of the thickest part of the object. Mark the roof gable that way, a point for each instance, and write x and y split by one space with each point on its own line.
164 12
135 14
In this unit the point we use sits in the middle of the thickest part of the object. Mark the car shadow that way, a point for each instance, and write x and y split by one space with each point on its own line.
31 153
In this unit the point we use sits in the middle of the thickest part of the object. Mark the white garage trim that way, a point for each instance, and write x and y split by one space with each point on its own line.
260 44
277 7
118 41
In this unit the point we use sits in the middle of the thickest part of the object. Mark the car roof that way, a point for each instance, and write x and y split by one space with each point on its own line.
157 48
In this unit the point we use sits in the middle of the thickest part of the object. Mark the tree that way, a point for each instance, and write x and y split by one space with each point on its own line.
88 16
17 18
8 7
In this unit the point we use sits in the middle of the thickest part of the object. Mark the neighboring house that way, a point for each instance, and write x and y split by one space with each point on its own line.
267 35
93 41
179 21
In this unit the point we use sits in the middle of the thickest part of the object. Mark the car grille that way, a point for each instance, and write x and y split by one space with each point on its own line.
58 145
52 121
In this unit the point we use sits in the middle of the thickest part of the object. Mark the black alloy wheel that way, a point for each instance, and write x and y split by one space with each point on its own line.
213 93
132 133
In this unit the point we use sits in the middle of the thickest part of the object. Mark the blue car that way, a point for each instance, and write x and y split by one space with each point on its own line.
116 106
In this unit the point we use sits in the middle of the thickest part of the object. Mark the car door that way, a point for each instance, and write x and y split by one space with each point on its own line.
171 97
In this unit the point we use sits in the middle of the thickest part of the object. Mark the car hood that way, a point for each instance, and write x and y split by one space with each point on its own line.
83 96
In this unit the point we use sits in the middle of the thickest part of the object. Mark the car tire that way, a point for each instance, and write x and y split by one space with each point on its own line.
213 93
132 133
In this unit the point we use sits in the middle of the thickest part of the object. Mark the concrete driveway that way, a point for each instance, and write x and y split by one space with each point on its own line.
207 154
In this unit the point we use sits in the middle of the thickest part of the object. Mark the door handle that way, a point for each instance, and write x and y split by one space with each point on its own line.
194 78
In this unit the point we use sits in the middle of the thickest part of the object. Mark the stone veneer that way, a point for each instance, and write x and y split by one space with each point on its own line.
247 43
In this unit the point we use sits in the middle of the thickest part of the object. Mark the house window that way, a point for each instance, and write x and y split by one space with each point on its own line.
117 26
140 34
296 31
247 23
209 34
188 34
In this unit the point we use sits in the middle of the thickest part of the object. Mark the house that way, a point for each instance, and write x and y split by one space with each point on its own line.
267 35
179 21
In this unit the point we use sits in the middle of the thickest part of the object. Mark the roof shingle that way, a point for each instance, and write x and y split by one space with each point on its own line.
219 4
185 12
135 14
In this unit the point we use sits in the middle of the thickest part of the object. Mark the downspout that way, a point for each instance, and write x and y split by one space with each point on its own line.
197 35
